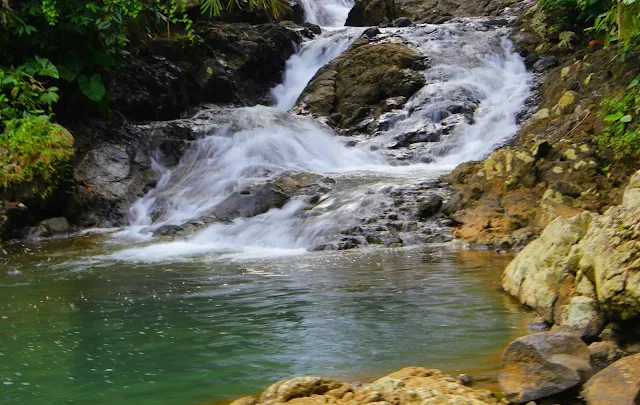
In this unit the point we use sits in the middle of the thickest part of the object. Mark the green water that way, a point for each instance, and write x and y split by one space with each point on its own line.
77 330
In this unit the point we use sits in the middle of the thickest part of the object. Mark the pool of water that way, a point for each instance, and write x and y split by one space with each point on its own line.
78 328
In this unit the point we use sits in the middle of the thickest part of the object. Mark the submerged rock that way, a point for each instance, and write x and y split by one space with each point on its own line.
543 364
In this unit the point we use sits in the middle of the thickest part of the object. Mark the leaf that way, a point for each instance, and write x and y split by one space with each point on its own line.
67 74
614 117
92 87
634 82
626 118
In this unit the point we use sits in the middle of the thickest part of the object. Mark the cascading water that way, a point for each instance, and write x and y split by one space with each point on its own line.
476 85
302 66
327 13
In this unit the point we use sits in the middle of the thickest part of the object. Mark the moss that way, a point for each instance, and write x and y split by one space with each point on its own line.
35 157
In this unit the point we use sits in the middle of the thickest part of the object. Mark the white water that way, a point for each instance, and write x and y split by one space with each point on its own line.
327 13
302 66
262 142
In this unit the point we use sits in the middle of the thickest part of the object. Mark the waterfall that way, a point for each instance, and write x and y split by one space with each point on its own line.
476 86
327 13
302 66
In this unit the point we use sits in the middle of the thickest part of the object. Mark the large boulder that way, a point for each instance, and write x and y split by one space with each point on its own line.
617 384
371 12
355 85
583 270
543 364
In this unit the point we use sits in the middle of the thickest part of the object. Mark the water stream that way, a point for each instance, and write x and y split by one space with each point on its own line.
237 305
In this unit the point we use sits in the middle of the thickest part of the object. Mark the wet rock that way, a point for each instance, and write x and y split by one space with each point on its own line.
250 202
430 206
356 83
371 32
466 379
402 22
14 218
545 64
55 226
617 384
543 364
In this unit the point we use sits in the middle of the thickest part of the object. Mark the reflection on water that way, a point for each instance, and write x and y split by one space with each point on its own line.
76 330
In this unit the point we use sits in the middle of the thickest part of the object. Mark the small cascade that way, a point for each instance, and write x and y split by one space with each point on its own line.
327 13
302 66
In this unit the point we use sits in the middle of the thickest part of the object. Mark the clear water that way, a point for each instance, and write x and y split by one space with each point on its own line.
75 329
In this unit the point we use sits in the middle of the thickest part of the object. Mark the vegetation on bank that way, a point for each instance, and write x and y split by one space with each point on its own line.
608 23
56 50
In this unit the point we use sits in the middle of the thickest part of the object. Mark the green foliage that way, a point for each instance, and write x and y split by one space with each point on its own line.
34 153
217 7
621 130
24 92
69 44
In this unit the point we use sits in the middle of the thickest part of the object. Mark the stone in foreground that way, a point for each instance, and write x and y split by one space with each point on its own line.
543 364
617 384
409 386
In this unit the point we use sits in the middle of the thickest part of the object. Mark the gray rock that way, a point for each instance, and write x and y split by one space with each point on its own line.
52 227
543 364
402 22
371 32
250 202
545 63
430 206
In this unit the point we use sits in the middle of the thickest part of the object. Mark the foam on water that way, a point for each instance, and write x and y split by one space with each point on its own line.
470 65
327 13
302 66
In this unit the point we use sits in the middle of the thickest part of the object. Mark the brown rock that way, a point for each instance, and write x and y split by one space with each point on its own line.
299 387
617 384
543 364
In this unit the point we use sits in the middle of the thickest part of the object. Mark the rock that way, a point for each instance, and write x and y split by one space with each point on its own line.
371 32
603 354
466 379
371 13
542 114
631 198
538 274
583 270
545 63
543 364
356 83
617 384
566 103
430 206
412 385
51 227
250 202
300 387
402 22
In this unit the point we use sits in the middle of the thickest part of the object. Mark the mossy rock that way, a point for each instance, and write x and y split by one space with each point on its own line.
35 159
